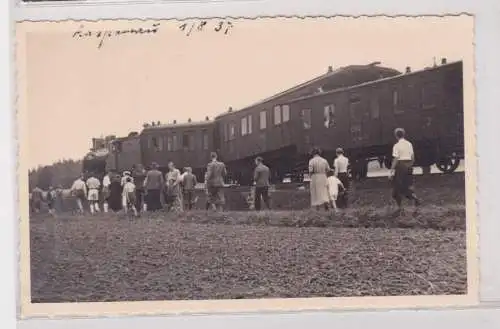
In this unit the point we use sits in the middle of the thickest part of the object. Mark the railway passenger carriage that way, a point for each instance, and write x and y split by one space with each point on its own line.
186 144
267 128
361 119
356 107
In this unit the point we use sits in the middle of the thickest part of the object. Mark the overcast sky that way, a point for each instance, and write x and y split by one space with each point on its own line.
76 91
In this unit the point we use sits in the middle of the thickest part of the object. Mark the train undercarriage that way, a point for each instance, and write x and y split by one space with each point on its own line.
288 164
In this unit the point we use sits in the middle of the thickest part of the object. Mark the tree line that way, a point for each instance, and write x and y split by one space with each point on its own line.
59 174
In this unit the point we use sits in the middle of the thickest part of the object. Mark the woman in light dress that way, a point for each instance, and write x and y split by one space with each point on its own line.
173 189
318 169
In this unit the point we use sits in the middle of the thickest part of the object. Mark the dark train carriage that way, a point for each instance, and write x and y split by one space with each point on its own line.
428 104
186 144
266 128
125 152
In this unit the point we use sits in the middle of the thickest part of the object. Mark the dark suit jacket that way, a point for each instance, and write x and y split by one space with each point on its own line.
216 171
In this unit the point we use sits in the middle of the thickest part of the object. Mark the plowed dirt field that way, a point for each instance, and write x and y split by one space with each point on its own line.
363 251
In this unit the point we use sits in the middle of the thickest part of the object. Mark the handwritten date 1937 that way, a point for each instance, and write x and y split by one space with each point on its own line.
220 26
81 33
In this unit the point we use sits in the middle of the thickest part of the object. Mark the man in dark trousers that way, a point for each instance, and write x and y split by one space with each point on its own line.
261 178
402 169
139 175
216 172
189 182
340 164
153 186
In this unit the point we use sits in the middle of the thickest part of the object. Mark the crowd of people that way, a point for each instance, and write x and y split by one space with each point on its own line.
330 185
141 190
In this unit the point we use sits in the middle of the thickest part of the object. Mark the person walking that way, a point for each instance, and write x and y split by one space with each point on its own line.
261 178
138 176
318 167
115 192
216 172
129 195
340 165
402 169
93 185
173 195
189 183
79 190
153 185
334 186
106 182
51 199
36 199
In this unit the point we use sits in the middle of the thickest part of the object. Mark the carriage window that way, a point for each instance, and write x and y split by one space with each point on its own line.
428 94
226 133
374 108
306 118
169 143
277 115
191 142
174 143
205 140
156 143
160 144
263 119
244 126
232 131
355 111
396 102
285 113
329 113
250 124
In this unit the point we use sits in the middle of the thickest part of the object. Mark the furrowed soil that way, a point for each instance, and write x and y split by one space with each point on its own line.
365 251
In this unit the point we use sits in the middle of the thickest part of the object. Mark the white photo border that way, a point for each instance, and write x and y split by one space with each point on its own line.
487 69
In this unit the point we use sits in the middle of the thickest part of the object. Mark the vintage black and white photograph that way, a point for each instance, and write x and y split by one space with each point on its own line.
247 159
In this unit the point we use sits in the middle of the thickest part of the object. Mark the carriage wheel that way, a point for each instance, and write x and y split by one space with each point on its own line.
449 164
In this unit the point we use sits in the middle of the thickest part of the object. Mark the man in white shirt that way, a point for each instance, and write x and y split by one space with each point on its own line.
402 169
79 189
340 165
93 185
106 182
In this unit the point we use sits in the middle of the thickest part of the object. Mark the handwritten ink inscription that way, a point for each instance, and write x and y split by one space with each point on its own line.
102 35
220 26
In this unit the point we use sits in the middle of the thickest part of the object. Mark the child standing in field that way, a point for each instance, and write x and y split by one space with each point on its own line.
334 185
128 196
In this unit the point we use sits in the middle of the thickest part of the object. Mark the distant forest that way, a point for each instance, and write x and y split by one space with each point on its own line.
61 173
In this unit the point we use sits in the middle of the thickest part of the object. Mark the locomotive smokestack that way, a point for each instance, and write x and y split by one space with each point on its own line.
330 69
175 121
443 60
189 120
207 118
408 69
230 109
158 123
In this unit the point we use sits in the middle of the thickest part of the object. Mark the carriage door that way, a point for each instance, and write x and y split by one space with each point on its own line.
375 124
357 117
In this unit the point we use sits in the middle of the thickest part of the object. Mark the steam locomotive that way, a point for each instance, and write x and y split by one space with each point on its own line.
355 107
